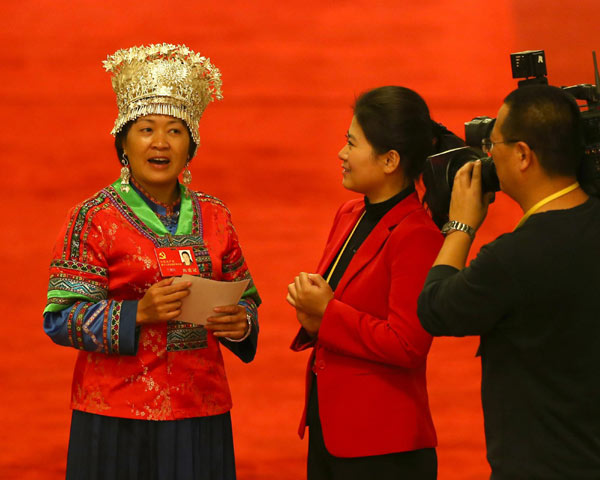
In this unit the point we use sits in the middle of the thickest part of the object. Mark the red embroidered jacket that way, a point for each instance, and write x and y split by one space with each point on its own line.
103 262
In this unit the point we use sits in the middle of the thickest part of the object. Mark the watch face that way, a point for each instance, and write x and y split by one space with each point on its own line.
448 226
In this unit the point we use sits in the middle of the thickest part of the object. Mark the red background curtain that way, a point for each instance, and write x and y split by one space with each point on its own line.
291 72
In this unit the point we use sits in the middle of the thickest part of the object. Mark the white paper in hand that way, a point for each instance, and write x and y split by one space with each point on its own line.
207 294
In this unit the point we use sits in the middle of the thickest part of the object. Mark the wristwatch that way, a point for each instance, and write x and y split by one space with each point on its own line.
454 225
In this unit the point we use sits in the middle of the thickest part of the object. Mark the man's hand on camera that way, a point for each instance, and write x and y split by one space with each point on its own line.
468 205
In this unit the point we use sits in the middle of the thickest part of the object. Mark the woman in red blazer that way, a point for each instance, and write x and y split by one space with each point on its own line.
366 397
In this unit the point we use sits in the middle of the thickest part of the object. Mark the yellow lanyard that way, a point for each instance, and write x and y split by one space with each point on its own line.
343 248
546 200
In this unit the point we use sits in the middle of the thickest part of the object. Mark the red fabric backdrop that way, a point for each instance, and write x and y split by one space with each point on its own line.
291 72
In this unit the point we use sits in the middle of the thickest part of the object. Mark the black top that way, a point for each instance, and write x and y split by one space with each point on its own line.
373 213
534 297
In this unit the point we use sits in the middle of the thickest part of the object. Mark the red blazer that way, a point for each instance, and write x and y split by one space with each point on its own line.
370 354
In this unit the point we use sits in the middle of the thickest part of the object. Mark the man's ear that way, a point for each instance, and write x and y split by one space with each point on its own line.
525 156
391 161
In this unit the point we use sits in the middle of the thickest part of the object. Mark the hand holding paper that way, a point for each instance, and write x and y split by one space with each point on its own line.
206 295
162 302
232 325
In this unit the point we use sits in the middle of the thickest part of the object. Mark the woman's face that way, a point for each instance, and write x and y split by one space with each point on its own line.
362 168
157 148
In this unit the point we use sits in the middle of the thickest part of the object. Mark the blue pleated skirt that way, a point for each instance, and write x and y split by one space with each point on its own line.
109 448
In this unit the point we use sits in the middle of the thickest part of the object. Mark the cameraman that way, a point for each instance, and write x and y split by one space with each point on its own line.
533 295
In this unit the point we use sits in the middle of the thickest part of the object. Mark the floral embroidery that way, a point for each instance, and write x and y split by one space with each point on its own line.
129 215
79 266
105 315
59 301
79 323
231 265
88 227
151 339
70 326
159 409
90 399
86 326
89 289
80 222
114 326
185 336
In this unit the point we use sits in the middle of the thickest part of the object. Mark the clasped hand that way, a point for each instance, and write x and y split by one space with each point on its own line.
162 303
309 294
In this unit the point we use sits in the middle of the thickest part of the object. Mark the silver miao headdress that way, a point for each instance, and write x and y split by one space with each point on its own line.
163 79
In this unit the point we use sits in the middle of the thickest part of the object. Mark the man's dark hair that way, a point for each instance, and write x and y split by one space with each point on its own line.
548 120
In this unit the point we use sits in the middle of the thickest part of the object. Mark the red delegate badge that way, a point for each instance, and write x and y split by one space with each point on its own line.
175 261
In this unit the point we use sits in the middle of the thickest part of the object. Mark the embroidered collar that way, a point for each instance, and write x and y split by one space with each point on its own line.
169 208
149 218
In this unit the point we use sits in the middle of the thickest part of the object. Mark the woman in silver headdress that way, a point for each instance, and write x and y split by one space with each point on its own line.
150 397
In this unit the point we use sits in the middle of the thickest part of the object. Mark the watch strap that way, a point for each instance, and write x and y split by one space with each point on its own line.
456 226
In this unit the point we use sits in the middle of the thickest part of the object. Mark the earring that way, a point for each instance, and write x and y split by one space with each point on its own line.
186 178
125 173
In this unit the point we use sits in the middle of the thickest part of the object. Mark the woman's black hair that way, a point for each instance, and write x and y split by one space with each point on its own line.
397 118
122 135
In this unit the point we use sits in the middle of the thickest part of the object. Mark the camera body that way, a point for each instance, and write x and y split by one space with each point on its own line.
530 67
589 172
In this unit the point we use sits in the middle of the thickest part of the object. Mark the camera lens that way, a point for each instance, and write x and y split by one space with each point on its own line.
478 129
489 177
444 166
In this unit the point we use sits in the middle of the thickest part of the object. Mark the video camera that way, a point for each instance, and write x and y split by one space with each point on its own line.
530 66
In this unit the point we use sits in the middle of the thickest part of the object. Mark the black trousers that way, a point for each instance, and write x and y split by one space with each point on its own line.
414 465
